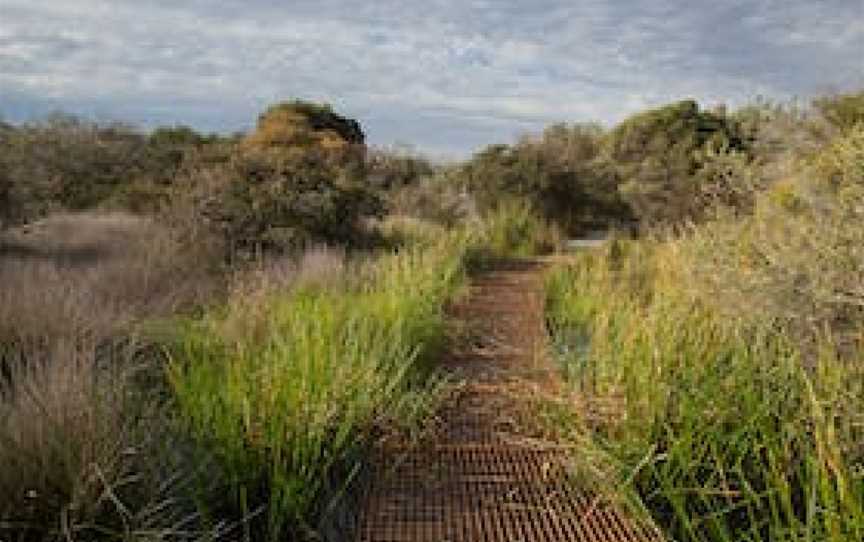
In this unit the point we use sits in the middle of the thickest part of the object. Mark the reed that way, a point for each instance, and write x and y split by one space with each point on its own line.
715 422
290 405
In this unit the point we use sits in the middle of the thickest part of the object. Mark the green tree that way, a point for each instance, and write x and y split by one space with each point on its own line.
286 184
561 173
657 157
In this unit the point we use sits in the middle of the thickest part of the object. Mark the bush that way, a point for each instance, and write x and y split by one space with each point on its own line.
561 174
297 127
298 179
797 259
718 369
440 198
270 200
396 167
845 111
66 163
657 156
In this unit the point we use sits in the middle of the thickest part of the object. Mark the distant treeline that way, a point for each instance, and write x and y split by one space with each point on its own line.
305 173
662 167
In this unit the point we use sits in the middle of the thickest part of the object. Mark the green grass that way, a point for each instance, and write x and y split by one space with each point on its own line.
273 395
288 392
719 427
511 230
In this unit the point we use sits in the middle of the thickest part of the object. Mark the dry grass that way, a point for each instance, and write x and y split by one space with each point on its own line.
94 274
799 260
731 358
711 417
78 436
249 312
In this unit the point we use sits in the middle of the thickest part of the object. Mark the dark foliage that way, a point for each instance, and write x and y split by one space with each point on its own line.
657 157
561 173
66 163
270 200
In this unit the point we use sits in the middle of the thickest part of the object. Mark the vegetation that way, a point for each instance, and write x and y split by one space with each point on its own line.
396 167
210 348
149 391
562 174
269 200
300 125
288 387
719 370
87 438
661 167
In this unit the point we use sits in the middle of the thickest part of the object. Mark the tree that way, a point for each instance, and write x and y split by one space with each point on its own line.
287 184
561 173
299 126
657 157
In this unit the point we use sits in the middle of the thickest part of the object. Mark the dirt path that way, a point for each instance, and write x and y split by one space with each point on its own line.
486 476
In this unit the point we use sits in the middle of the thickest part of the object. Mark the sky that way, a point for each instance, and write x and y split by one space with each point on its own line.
447 76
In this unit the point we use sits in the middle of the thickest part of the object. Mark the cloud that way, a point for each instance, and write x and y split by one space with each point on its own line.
447 75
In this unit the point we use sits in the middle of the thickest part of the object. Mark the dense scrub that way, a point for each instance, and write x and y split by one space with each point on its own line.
299 177
561 173
661 157
719 370
269 200
659 169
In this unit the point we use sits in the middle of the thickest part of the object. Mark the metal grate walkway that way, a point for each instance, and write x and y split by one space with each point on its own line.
489 493
483 479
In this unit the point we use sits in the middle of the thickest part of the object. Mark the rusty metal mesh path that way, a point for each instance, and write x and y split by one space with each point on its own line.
483 477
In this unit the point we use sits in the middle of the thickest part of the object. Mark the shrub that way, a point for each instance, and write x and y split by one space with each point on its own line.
270 200
396 167
845 111
440 198
718 370
298 179
560 174
66 163
797 259
656 156
298 126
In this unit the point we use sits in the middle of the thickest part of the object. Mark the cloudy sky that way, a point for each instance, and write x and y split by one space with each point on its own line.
446 75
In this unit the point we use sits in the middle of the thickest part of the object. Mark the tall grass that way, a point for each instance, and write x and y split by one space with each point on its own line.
291 382
269 399
87 449
514 229
714 421
289 402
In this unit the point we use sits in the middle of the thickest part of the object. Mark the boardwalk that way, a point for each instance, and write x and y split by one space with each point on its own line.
485 476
